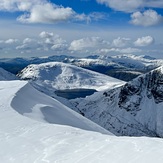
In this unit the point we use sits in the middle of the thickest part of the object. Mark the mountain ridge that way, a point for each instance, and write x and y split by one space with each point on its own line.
124 67
5 75
130 109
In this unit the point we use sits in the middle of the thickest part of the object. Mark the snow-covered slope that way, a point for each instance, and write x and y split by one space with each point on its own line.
133 109
22 98
5 75
26 136
52 76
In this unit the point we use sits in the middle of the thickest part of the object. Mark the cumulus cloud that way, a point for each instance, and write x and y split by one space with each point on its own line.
37 11
120 42
23 47
131 5
128 50
59 47
45 34
122 5
53 42
9 41
94 16
44 11
144 41
147 18
28 40
50 38
47 13
84 43
18 5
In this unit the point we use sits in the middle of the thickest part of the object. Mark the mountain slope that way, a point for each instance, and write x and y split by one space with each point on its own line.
134 109
24 132
5 75
124 67
29 102
64 76
59 79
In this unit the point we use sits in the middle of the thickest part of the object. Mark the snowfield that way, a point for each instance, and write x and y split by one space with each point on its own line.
5 75
30 135
60 76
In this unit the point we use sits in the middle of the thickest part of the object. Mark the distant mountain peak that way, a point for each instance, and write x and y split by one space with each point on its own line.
62 76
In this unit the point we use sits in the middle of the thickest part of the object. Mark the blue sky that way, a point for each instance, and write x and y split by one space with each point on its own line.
81 27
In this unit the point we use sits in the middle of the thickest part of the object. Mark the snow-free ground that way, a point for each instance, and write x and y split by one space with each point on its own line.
35 128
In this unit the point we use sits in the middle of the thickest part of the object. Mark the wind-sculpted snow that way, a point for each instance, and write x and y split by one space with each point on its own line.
33 104
134 109
26 136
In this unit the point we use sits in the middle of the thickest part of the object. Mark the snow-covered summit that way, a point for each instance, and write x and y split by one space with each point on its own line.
62 76
5 75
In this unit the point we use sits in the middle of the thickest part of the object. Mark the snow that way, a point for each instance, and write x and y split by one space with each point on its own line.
26 136
134 109
5 75
60 76
134 62
29 102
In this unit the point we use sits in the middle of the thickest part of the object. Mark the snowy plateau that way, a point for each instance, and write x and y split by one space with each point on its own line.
36 128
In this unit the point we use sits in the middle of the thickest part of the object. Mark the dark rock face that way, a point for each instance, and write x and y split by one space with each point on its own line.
134 109
155 85
132 93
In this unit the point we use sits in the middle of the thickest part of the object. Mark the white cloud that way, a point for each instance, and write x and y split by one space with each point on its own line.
28 40
131 5
130 50
148 18
120 42
47 13
85 43
119 50
23 47
95 16
122 5
11 41
59 47
44 11
50 38
19 5
144 41
53 42
37 11
45 34
28 44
